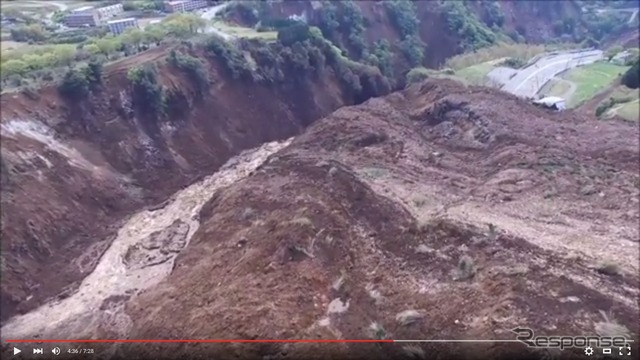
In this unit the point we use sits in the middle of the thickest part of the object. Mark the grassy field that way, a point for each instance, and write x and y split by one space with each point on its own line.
8 45
629 110
475 74
244 32
590 80
41 8
555 87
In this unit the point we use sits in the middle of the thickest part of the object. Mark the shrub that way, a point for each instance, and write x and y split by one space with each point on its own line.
347 20
382 57
605 106
514 62
403 15
231 56
74 84
148 94
93 72
495 15
294 33
416 75
413 49
631 78
462 21
32 32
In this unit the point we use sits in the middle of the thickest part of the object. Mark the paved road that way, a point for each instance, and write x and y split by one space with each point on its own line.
528 82
209 14
633 11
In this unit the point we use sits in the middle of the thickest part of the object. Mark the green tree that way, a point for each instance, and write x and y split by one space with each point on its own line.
34 61
65 54
92 49
13 67
154 34
107 45
32 32
631 78
413 48
292 34
74 84
50 60
93 72
133 37
184 25
403 14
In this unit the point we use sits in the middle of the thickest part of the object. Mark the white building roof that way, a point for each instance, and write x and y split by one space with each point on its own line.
549 100
121 20
81 9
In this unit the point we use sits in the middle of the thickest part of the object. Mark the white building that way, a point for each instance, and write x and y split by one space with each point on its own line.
552 102
110 11
119 26
83 9
83 16
184 5
90 16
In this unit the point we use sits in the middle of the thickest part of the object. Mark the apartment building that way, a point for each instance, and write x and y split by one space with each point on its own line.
110 11
119 26
184 5
81 17
90 16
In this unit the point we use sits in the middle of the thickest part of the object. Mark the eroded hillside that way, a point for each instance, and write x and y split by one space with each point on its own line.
443 29
74 168
437 212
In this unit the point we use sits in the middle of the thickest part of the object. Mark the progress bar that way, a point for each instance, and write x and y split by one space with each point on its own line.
260 341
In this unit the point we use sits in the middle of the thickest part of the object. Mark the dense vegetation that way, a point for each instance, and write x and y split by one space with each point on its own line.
232 57
42 62
301 52
344 20
631 78
403 14
77 82
461 20
148 94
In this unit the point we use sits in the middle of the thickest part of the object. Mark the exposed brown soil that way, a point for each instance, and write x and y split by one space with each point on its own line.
376 204
72 171
366 215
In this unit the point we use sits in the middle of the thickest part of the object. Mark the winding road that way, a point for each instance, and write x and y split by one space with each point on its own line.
528 81
211 13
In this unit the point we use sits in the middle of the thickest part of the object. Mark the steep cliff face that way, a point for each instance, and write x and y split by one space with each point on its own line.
72 170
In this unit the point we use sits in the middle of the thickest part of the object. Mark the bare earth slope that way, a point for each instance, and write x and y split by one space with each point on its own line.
73 171
368 213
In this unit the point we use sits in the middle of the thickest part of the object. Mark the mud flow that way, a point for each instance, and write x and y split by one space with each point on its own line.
141 256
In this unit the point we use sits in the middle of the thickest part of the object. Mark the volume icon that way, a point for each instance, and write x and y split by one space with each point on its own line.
56 351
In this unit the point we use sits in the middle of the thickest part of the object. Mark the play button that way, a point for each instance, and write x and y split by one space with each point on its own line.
16 351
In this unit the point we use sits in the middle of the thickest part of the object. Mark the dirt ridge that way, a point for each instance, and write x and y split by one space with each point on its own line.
369 213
